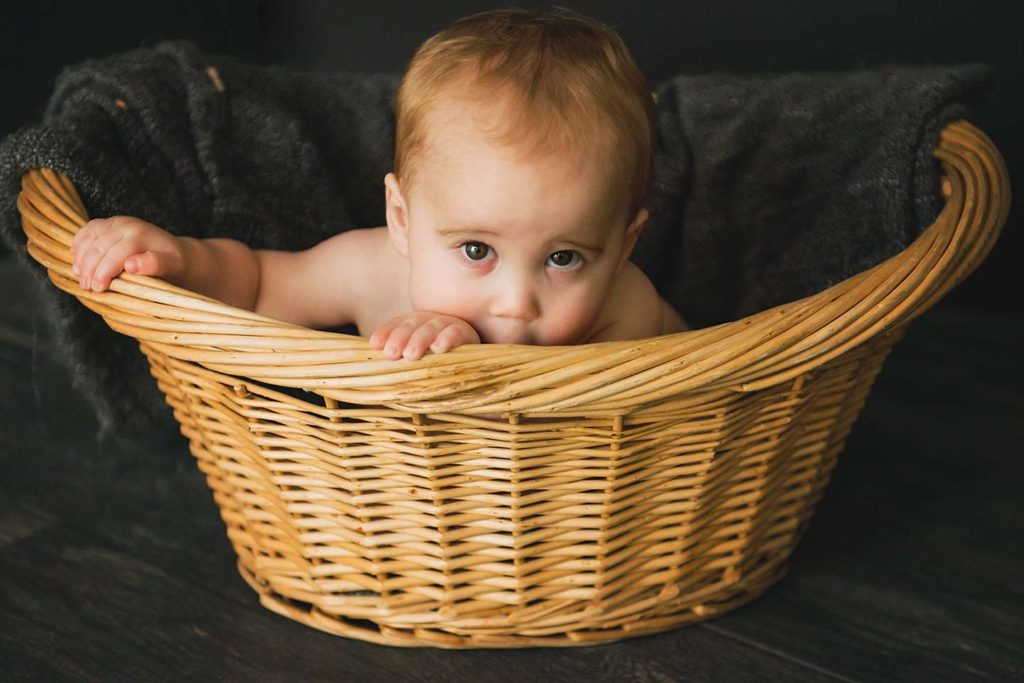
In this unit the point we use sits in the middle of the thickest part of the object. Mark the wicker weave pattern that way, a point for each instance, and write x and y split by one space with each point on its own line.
504 496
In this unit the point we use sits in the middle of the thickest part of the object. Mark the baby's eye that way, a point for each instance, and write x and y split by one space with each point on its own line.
475 251
565 259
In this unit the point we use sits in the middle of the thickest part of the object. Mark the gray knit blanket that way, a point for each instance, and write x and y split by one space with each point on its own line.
768 187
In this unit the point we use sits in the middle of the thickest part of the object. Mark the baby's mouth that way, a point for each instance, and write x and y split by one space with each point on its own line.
506 338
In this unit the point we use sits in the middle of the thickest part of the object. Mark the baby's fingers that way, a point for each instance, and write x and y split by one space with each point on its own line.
81 243
450 337
381 335
410 336
155 263
422 338
90 256
87 233
405 341
110 265
391 337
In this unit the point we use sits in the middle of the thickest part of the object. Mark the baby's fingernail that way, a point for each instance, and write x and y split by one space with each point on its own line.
409 352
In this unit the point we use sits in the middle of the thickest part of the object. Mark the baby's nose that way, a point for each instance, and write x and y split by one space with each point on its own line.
515 302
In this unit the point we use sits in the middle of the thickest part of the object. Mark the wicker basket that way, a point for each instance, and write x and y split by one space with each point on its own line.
626 488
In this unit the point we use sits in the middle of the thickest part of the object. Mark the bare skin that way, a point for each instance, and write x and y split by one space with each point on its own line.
483 246
632 309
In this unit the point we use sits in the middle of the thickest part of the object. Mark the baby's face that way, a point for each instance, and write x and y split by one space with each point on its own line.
523 250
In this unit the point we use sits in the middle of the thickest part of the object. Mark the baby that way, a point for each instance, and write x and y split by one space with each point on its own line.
523 156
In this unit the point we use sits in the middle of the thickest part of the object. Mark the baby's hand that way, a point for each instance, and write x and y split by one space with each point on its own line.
106 246
417 331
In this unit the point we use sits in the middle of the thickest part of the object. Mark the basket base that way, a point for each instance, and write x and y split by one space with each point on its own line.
369 631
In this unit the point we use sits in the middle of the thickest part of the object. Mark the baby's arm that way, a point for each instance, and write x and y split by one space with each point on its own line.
318 287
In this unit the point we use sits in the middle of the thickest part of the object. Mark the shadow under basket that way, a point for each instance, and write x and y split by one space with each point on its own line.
510 496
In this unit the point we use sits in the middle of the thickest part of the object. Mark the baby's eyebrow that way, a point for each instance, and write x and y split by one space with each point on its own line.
482 230
586 247
466 230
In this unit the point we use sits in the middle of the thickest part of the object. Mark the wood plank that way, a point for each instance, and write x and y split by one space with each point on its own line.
72 608
75 607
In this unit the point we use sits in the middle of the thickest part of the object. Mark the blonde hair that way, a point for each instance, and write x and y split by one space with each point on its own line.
568 82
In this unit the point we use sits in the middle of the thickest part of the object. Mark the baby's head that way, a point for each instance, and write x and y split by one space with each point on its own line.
523 157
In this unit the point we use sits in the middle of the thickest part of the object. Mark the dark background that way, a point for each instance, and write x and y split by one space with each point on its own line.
113 561
743 36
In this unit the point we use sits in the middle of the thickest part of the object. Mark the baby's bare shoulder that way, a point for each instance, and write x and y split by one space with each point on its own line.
355 265
352 247
635 310
324 286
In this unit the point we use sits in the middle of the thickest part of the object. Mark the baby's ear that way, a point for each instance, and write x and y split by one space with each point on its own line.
633 233
397 215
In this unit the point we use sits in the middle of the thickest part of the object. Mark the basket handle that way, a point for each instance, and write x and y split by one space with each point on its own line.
613 378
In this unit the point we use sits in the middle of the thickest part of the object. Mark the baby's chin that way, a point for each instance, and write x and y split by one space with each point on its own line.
543 338
486 338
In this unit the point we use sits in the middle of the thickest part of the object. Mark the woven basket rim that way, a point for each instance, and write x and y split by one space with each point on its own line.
617 376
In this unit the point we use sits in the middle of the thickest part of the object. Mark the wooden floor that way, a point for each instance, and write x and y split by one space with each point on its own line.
114 565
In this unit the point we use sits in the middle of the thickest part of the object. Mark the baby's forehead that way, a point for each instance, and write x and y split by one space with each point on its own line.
471 168
504 122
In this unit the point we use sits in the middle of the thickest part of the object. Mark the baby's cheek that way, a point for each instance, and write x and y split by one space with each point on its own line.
434 294
568 327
